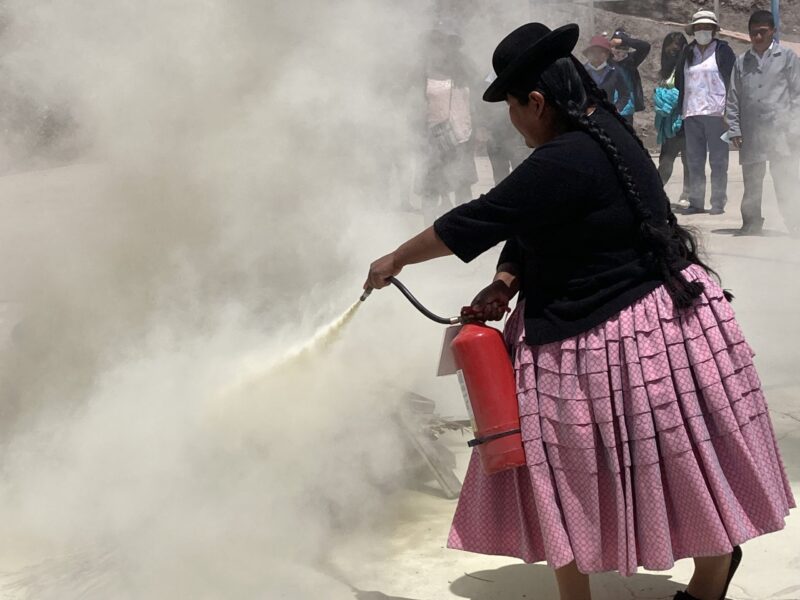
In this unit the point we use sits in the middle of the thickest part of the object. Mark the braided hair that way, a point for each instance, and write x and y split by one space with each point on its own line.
569 89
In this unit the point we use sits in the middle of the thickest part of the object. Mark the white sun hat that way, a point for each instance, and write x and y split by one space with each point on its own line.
702 17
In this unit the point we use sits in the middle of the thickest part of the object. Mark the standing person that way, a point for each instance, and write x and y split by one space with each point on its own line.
763 112
504 146
669 123
606 75
393 167
703 77
628 55
448 164
645 429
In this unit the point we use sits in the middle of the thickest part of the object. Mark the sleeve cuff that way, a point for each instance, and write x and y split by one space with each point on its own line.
450 239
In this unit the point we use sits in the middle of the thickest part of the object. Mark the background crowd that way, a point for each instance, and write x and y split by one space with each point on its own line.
708 101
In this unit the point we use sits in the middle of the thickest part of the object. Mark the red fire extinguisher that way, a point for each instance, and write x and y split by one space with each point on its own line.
487 381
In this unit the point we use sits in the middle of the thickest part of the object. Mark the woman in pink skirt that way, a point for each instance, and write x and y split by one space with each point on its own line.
646 433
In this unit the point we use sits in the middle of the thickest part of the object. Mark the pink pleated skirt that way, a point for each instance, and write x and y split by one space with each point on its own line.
647 439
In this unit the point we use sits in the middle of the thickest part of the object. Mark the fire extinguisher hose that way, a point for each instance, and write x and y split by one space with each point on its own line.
418 305
488 438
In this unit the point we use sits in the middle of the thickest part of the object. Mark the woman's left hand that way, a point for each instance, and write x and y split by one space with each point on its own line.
381 270
491 303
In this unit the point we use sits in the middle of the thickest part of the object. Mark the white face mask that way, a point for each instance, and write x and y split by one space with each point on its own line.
599 67
704 37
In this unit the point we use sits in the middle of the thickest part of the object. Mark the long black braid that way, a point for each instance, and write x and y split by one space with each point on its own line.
682 237
570 90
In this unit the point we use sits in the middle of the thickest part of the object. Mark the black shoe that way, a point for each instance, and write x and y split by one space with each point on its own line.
748 232
736 559
693 210
752 228
717 211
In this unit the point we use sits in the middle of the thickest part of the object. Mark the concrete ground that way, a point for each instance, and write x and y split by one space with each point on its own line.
409 561
764 273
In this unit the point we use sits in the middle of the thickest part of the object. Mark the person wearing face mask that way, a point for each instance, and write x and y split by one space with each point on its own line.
763 112
703 77
607 76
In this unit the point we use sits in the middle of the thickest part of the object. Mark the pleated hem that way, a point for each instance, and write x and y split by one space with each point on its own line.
648 439
563 562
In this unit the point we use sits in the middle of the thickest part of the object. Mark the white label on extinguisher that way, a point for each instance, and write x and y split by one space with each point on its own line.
465 392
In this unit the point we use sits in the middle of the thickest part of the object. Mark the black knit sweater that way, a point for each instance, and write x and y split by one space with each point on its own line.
570 228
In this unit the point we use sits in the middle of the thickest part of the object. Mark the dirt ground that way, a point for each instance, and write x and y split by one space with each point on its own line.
417 566
734 13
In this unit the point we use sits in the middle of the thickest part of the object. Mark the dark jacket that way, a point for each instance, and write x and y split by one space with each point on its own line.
631 65
726 58
612 81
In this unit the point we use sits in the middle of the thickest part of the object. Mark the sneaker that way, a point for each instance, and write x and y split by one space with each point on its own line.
747 232
693 210
750 229
683 203
717 211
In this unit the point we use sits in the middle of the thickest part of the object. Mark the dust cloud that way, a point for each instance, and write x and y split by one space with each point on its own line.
211 219
225 172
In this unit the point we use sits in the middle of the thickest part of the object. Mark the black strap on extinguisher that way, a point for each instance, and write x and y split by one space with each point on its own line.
488 438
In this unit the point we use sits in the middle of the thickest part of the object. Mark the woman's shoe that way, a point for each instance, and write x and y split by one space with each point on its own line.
736 558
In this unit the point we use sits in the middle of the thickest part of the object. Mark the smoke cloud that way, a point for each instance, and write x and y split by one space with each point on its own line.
225 206
226 170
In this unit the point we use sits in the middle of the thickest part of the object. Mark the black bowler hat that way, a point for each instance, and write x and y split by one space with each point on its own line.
525 51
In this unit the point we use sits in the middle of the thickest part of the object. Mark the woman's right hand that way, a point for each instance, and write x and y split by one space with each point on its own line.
380 271
491 303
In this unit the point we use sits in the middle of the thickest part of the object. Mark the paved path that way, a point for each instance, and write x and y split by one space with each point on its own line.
409 561
764 273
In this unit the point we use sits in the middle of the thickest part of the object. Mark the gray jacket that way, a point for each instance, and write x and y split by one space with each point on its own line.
764 104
